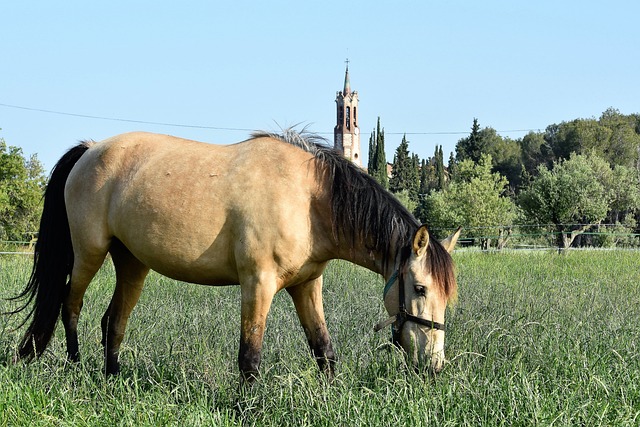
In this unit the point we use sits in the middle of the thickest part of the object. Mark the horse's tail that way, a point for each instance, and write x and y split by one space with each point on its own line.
52 262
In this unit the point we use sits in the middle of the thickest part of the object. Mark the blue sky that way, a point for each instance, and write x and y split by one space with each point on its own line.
426 68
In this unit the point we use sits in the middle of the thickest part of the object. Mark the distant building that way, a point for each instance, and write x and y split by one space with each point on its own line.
346 134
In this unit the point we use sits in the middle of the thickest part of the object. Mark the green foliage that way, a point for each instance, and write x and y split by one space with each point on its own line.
535 339
405 175
471 147
620 234
614 137
439 168
624 191
377 167
506 155
452 167
425 172
402 175
476 198
577 193
532 146
601 186
21 184
569 193
433 175
405 198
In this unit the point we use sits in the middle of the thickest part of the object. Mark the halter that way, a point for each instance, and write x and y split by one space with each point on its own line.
403 316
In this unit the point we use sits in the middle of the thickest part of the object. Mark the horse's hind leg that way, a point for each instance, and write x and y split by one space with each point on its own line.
130 275
307 298
85 266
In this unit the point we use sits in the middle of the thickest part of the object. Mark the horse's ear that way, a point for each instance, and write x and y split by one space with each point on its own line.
421 241
450 241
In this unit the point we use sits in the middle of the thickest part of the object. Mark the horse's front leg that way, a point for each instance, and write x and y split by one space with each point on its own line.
307 298
256 296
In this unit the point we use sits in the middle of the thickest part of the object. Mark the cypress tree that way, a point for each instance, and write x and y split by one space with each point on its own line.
377 166
381 158
439 166
424 178
472 146
372 153
401 174
414 178
452 167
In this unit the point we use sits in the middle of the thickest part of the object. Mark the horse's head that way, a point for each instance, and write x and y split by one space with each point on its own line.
416 297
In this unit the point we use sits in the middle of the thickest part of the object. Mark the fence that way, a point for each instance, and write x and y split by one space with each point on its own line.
16 248
491 237
547 236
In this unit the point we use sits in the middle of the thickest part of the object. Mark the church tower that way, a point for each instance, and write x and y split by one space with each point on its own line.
346 134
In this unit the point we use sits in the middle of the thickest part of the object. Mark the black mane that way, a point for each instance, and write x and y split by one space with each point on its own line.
363 211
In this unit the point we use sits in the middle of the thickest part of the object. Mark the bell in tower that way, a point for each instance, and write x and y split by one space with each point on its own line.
346 134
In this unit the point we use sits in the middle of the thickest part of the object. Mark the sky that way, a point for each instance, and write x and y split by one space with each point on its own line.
215 71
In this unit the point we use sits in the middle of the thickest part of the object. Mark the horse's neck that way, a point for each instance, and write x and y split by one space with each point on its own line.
370 259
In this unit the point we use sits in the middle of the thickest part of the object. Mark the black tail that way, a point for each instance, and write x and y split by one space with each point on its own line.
52 262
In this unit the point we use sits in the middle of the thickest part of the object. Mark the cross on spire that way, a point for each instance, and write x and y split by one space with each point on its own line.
347 62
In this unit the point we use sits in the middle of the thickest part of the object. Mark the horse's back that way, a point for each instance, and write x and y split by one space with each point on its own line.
197 212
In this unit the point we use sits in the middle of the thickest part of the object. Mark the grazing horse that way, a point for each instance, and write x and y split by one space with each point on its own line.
267 214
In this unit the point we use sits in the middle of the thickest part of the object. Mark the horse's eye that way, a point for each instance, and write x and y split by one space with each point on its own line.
420 290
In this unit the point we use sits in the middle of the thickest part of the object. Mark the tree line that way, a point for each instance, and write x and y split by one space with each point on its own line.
572 177
22 182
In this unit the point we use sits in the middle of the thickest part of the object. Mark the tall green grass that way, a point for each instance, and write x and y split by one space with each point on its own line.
535 339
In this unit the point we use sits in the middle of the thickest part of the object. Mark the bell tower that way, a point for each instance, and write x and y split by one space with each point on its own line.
346 134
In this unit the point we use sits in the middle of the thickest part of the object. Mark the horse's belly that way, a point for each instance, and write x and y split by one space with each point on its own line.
192 247
187 263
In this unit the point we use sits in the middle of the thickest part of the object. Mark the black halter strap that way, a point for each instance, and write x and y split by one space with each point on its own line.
403 316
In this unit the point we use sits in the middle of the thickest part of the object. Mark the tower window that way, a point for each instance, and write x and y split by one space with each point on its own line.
348 118
355 116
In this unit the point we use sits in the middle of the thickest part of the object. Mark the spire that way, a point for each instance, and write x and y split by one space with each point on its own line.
347 86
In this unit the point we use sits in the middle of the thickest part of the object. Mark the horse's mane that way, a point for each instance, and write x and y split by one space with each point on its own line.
362 210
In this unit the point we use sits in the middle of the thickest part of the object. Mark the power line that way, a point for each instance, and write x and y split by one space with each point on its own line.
116 119
182 125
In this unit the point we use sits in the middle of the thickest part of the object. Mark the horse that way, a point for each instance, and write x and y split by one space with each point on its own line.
266 214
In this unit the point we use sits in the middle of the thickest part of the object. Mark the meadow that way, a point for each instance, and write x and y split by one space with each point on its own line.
536 338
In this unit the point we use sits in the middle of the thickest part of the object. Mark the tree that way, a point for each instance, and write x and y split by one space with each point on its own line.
531 147
614 137
624 190
371 164
414 178
573 196
377 167
475 200
506 154
471 147
439 168
452 167
405 175
432 173
21 184
624 138
401 174
424 177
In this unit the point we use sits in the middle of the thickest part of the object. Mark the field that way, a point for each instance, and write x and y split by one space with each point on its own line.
535 339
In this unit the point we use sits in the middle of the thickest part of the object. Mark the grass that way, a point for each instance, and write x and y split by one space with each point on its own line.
535 339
